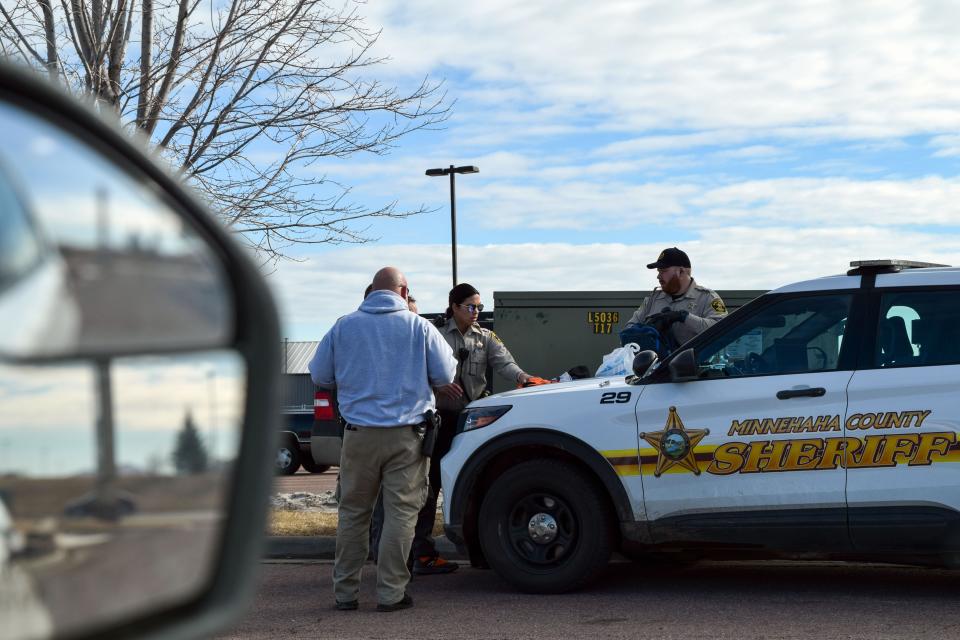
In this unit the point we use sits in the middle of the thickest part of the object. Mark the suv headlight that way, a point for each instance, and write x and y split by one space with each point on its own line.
480 417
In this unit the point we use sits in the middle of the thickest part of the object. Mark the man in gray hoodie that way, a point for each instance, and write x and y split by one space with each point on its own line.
383 360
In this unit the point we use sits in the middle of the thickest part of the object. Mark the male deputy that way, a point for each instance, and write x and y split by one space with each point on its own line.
680 306
383 361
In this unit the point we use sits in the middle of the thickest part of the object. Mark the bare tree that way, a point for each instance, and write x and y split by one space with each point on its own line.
240 96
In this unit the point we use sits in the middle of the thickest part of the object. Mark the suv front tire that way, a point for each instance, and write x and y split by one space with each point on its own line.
545 527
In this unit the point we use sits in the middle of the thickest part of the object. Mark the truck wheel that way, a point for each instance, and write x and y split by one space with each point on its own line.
545 528
288 459
313 467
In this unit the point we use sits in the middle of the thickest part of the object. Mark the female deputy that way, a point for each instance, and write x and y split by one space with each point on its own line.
475 349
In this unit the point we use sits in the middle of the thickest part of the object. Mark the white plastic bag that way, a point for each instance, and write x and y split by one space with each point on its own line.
618 362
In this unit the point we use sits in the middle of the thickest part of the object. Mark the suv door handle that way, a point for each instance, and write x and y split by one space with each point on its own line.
813 392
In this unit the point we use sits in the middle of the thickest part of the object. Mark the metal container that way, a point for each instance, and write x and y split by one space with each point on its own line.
549 332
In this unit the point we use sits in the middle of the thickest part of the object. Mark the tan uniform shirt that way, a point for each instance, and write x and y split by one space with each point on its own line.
703 306
483 347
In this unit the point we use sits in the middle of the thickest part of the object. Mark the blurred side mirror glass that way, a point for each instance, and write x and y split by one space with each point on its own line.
134 420
114 486
93 257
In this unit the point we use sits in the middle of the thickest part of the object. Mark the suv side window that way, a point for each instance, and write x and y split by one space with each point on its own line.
794 335
918 328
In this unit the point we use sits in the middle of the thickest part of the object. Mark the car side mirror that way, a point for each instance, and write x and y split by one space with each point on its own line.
683 366
643 361
139 369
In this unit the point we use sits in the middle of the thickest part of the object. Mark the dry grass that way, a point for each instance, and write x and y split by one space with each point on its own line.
302 523
315 523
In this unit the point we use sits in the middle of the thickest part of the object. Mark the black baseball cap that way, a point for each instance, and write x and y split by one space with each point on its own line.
671 257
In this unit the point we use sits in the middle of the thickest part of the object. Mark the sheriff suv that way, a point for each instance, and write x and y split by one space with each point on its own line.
819 420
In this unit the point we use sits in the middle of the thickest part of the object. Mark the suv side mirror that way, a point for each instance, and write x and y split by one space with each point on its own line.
643 361
139 370
683 366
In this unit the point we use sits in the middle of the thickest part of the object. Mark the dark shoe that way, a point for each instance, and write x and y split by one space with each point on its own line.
404 603
427 565
352 605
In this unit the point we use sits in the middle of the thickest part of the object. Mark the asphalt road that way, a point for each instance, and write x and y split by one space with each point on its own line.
707 600
100 578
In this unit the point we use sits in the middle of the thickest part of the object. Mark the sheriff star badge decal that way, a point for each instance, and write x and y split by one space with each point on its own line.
675 444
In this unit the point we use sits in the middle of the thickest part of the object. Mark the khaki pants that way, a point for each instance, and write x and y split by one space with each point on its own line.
371 458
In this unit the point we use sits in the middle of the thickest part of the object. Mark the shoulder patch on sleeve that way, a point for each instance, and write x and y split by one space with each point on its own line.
496 337
718 305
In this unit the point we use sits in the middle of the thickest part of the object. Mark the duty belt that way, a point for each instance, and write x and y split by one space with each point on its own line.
354 427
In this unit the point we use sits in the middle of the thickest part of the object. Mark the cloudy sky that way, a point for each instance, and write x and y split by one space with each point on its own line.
48 422
773 141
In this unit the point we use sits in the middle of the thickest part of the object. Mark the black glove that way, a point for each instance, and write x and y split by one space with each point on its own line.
665 319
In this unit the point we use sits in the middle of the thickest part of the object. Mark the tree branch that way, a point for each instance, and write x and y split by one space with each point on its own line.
241 100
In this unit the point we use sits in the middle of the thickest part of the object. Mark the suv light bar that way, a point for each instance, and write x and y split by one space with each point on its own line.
887 265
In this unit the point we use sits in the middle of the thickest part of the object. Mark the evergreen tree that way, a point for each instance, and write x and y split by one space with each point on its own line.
190 454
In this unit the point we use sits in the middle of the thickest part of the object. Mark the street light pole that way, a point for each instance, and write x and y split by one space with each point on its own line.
452 171
453 224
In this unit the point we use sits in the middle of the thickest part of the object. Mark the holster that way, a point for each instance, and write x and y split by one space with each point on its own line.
430 426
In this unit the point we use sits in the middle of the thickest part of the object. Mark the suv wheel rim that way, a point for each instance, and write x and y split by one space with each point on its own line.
284 458
542 529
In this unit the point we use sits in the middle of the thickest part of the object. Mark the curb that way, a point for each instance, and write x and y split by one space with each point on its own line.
324 547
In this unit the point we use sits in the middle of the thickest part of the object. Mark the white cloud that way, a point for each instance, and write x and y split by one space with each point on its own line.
753 153
808 202
653 143
802 202
580 204
149 394
516 189
37 397
519 190
947 146
861 68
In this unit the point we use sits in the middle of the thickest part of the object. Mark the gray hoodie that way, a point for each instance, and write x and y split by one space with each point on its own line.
383 359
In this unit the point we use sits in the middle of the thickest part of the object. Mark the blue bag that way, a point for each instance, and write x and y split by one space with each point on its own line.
648 338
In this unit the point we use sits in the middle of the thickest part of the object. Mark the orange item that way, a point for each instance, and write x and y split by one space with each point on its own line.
534 381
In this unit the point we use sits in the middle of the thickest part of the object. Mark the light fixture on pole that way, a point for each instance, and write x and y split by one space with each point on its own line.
452 171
